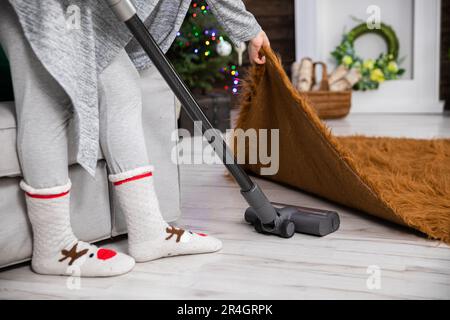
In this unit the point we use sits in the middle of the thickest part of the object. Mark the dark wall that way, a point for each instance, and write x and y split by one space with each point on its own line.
445 53
278 21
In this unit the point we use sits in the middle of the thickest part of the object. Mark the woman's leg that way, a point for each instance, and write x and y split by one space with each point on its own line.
123 144
43 114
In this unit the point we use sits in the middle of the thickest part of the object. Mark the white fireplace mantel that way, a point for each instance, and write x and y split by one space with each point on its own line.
417 94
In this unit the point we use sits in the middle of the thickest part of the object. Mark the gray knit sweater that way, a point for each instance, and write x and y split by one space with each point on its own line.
76 56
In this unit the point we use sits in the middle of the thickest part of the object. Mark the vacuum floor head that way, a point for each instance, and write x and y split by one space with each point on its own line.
291 219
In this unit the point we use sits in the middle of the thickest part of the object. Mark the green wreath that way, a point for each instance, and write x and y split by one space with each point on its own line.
373 72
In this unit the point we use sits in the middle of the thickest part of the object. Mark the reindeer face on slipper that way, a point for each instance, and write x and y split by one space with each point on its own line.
181 235
92 252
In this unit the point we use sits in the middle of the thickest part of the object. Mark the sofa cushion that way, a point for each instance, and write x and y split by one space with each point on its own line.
9 161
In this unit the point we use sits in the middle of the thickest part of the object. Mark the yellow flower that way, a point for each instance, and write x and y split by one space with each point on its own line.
392 67
347 60
369 64
377 75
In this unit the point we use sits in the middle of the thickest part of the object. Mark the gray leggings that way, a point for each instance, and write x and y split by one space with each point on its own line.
44 113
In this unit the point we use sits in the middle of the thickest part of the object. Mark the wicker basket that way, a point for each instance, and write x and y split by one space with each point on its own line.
328 104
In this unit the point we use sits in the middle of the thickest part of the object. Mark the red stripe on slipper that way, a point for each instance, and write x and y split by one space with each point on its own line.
47 196
202 234
141 176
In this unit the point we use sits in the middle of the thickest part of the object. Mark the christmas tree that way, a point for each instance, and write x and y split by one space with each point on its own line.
202 53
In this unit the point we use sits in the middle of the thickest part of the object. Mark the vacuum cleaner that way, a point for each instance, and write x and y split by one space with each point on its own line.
267 217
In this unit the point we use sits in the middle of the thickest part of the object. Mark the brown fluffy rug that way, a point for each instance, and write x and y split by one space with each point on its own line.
405 181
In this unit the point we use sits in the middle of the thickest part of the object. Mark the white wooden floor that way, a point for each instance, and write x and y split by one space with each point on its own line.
254 266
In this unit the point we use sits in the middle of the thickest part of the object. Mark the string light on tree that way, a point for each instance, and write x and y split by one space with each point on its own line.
234 74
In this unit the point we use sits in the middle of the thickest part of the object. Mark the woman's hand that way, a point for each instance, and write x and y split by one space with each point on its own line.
258 42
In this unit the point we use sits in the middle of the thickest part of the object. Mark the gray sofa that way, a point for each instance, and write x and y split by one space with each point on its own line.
94 211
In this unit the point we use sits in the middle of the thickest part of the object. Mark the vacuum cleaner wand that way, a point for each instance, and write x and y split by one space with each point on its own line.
262 214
